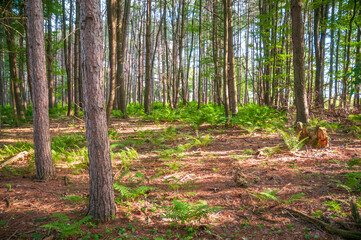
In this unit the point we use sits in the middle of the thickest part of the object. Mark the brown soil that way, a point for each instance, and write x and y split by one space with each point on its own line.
31 204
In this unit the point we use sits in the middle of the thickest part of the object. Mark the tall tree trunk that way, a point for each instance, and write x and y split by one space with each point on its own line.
180 50
28 68
49 58
246 59
217 76
225 59
66 60
111 8
76 61
309 60
148 70
175 53
188 64
122 30
45 168
299 62
232 88
348 49
331 54
14 75
200 57
320 20
101 200
358 64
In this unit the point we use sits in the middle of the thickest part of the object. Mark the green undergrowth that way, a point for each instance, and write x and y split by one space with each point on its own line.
252 117
10 150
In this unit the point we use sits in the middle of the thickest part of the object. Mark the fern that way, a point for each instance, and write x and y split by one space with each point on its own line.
74 198
186 212
65 226
292 141
132 193
267 194
333 205
295 197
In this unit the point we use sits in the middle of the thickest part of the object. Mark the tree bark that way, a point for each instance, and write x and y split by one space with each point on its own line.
45 168
148 70
49 58
76 61
320 20
225 60
232 88
111 8
101 200
200 57
122 30
299 62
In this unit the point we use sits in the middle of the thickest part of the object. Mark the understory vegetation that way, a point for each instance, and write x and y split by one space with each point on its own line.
164 165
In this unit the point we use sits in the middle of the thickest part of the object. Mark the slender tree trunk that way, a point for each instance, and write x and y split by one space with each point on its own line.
181 70
200 57
101 198
45 168
331 54
320 19
247 51
66 60
299 62
348 49
122 31
358 64
225 60
232 88
76 62
148 77
28 68
14 75
217 76
189 63
49 58
111 8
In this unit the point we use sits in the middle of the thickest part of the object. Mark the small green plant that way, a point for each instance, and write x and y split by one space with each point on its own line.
13 149
175 183
186 212
296 197
127 156
267 194
8 187
134 191
247 151
65 226
74 198
318 214
292 141
201 141
271 195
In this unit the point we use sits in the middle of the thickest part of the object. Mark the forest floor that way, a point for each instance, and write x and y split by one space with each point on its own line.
275 180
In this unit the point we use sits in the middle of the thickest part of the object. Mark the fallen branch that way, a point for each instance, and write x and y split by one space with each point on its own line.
15 158
328 227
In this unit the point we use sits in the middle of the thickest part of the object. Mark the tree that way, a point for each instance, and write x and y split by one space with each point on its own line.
148 53
299 62
101 200
49 58
45 168
111 8
320 19
121 35
15 88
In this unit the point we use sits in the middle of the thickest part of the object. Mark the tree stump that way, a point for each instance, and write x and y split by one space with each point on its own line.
317 136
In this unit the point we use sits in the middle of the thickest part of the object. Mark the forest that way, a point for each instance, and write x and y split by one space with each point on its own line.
188 119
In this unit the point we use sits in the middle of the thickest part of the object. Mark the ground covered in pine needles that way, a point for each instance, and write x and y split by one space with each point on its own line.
174 181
